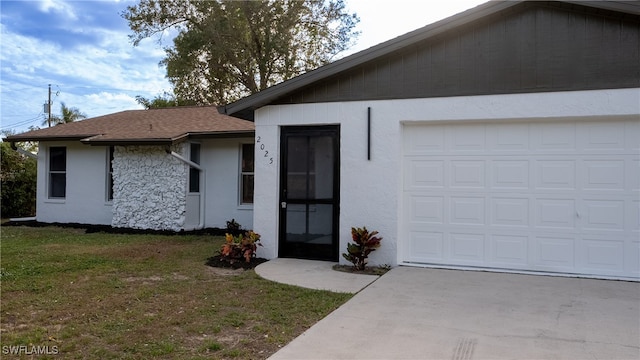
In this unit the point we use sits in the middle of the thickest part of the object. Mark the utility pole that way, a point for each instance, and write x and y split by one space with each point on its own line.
49 121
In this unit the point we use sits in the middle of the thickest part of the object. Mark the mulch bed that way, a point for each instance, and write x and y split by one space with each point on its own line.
369 270
217 261
92 228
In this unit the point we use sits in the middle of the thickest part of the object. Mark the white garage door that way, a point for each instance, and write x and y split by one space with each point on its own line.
553 196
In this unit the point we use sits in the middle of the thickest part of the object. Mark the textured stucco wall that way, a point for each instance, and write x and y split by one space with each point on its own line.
375 201
149 188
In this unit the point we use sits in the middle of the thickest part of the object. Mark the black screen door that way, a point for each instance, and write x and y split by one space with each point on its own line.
309 192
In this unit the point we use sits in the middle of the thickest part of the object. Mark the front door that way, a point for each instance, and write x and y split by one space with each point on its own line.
309 192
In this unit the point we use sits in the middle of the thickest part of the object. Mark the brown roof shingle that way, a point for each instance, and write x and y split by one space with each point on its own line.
153 126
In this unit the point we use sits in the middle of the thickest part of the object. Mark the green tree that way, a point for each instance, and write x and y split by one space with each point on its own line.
17 181
164 101
227 49
67 115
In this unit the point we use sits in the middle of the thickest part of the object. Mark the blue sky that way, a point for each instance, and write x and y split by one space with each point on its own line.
82 49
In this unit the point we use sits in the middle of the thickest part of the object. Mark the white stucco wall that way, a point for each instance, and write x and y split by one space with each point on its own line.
221 160
374 201
150 188
86 192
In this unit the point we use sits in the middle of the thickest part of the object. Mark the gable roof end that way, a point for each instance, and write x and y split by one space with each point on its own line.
245 106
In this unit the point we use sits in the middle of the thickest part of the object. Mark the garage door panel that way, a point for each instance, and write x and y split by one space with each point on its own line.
553 136
632 258
557 196
427 209
601 137
632 136
421 140
600 255
554 252
633 216
603 174
465 139
467 210
555 174
467 174
633 175
510 211
467 248
509 174
424 174
509 138
555 213
427 246
604 215
509 250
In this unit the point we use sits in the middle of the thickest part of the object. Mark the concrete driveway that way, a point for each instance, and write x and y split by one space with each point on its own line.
416 313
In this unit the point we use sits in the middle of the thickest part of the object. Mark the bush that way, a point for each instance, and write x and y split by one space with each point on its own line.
365 243
240 247
233 227
18 174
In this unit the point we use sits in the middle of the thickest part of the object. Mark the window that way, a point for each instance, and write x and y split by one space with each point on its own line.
110 173
246 174
57 172
194 174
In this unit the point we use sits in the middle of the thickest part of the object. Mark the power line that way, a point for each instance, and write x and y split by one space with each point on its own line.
32 119
21 123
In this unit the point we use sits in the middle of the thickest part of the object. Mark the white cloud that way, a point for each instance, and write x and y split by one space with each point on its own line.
97 78
58 6
381 20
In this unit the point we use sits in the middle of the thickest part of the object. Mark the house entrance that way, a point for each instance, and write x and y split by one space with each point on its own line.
309 192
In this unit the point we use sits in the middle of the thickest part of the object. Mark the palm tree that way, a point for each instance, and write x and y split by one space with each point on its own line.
68 115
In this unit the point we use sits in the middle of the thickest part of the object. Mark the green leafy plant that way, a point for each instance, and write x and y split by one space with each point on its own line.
233 226
364 243
240 247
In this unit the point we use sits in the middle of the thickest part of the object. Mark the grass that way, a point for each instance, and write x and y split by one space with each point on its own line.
96 296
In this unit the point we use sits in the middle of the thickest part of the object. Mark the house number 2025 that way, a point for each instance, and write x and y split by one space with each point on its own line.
263 148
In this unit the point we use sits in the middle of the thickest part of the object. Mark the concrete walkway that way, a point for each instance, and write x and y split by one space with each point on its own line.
313 275
416 313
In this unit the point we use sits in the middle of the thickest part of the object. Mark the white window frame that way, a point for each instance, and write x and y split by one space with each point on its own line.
109 171
191 168
50 172
242 173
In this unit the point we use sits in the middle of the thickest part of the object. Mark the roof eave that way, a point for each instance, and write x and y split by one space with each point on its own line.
126 142
96 141
43 138
630 7
221 134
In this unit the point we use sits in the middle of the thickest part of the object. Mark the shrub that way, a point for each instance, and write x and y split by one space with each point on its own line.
18 183
365 243
240 247
233 226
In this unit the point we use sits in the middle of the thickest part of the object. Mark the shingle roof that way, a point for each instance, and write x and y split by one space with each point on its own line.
154 126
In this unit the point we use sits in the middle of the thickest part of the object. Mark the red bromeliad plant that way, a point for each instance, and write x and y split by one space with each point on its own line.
240 247
365 243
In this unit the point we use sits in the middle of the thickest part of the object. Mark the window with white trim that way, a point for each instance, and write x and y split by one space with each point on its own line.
194 174
246 173
57 172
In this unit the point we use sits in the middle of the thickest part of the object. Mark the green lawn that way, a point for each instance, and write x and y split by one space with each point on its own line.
98 296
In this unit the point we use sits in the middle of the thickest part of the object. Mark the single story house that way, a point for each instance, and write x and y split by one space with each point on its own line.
505 137
180 168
